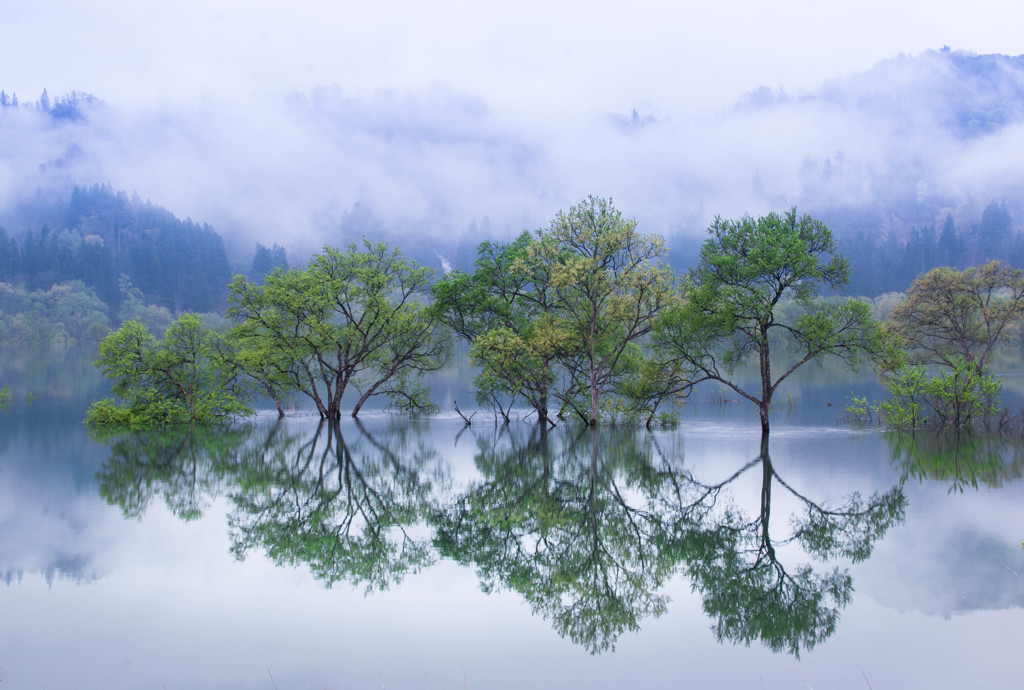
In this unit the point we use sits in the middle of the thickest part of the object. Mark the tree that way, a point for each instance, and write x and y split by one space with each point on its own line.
965 313
609 284
187 376
730 302
358 318
266 260
503 309
559 312
995 232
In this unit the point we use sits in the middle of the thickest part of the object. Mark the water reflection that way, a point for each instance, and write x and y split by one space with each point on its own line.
344 508
562 520
752 593
963 460
587 526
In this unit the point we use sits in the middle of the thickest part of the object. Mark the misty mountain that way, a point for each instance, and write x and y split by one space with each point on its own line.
889 157
96 235
964 94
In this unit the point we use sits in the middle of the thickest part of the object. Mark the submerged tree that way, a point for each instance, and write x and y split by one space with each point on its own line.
190 375
559 313
730 306
503 308
357 318
610 285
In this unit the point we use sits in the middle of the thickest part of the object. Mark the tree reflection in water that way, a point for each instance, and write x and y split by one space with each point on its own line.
587 525
557 518
964 460
344 509
752 594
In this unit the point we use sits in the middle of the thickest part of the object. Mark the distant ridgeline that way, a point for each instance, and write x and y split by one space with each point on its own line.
67 107
177 264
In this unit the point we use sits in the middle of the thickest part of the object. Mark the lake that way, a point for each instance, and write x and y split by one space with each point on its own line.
395 553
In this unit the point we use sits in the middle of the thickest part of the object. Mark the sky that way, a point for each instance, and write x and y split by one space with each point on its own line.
216 99
562 56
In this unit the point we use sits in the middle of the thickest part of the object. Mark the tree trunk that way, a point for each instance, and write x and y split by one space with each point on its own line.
766 380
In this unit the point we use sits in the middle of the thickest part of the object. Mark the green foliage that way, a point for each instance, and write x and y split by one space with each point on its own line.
958 396
65 315
610 284
860 409
134 308
558 313
731 307
357 318
905 406
188 376
963 313
504 308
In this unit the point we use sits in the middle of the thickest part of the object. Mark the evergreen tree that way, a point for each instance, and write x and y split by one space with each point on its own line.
994 234
8 257
948 252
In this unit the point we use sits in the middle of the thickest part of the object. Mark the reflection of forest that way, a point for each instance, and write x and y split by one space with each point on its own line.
587 525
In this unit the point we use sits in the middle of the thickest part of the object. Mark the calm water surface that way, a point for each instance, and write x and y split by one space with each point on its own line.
420 554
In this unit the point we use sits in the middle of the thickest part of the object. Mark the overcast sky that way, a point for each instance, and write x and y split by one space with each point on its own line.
523 55
281 117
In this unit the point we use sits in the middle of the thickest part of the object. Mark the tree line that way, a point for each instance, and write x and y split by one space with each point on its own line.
579 320
890 264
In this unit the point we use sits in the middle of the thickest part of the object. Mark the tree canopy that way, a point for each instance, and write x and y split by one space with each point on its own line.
729 311
560 312
356 318
966 313
189 375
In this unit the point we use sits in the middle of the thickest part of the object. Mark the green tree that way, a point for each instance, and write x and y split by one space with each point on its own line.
730 303
609 283
358 318
560 312
503 308
966 313
187 376
958 396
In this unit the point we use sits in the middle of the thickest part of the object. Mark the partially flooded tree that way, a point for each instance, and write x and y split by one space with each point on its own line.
610 285
357 318
558 313
503 309
729 312
189 375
